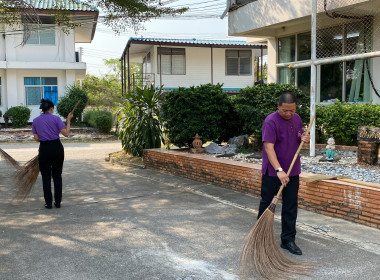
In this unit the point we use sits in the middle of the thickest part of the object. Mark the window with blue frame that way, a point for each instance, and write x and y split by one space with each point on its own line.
41 87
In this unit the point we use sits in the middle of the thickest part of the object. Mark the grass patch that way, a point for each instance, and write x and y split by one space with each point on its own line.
124 157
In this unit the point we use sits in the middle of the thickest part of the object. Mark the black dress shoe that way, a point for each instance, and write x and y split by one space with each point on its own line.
292 247
57 205
48 206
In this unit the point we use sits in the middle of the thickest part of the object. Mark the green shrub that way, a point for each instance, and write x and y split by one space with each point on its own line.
254 104
67 102
104 121
1 114
90 116
19 115
341 121
204 109
137 121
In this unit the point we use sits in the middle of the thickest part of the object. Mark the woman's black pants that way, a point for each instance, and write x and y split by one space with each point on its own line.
269 188
50 159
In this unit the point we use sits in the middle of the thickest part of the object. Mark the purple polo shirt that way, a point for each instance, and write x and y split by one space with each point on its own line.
47 126
286 137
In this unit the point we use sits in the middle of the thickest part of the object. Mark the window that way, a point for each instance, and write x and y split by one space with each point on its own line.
39 34
238 62
173 61
346 81
37 88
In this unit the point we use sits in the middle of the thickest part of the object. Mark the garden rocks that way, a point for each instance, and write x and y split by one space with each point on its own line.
239 141
214 148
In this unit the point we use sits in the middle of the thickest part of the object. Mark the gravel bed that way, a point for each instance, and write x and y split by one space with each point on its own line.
345 166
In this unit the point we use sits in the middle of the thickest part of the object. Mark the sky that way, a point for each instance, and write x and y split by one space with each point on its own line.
202 21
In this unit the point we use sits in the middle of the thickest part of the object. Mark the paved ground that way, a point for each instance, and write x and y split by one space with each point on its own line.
129 223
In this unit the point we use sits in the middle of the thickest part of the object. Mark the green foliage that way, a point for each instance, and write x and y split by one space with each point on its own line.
100 119
67 102
341 121
254 104
204 109
19 115
1 114
104 121
137 121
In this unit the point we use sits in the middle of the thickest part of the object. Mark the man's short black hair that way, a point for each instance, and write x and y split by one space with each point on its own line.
46 104
287 97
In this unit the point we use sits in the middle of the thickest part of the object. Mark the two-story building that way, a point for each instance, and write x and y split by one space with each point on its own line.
44 63
173 63
345 28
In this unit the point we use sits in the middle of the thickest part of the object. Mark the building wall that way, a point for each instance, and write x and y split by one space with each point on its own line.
13 83
198 70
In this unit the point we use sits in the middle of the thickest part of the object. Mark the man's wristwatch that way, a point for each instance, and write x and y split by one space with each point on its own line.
279 169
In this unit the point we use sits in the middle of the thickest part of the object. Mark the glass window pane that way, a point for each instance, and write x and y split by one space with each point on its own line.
303 76
286 49
178 64
331 82
232 66
33 34
47 35
232 53
245 53
32 81
286 75
330 42
177 51
49 81
166 64
33 95
304 46
245 66
163 51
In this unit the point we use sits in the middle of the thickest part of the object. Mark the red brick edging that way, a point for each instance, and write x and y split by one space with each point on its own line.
353 202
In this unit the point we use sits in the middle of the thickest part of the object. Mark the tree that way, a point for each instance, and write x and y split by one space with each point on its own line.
106 90
117 14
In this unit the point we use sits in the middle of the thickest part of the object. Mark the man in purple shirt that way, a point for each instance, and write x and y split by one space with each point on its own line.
282 134
46 128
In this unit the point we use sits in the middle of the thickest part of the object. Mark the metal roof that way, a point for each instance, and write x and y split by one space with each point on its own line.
193 41
70 5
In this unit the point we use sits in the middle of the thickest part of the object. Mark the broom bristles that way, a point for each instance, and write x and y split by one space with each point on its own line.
25 179
261 256
9 159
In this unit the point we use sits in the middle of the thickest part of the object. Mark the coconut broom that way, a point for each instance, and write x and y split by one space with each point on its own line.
260 254
26 176
9 159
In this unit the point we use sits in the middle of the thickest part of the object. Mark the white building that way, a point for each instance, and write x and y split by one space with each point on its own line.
173 63
286 26
47 63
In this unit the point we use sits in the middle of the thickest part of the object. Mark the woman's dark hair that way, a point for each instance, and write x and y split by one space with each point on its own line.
46 104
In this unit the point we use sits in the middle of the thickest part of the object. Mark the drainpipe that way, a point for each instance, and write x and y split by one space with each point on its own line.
212 66
160 66
261 62
129 80
313 74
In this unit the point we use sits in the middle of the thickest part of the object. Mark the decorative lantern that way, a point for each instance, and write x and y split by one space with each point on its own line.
197 142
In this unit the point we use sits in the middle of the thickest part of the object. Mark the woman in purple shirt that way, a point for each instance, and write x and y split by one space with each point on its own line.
46 129
282 134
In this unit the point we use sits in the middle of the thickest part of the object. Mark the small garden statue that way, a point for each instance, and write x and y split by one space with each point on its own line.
330 149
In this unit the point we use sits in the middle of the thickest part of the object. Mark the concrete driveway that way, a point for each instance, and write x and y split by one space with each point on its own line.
129 223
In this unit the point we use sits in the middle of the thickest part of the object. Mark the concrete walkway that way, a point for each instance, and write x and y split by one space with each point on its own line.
130 223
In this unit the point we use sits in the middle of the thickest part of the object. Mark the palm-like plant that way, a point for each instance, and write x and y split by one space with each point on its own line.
137 121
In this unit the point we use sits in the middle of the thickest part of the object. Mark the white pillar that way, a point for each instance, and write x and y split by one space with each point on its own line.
272 60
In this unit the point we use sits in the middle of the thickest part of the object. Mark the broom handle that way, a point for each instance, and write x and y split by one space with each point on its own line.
296 155
76 105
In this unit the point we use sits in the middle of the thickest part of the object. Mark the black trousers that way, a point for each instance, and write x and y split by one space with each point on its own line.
50 159
269 188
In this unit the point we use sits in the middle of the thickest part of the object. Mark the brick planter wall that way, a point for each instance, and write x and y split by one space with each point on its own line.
368 152
353 202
